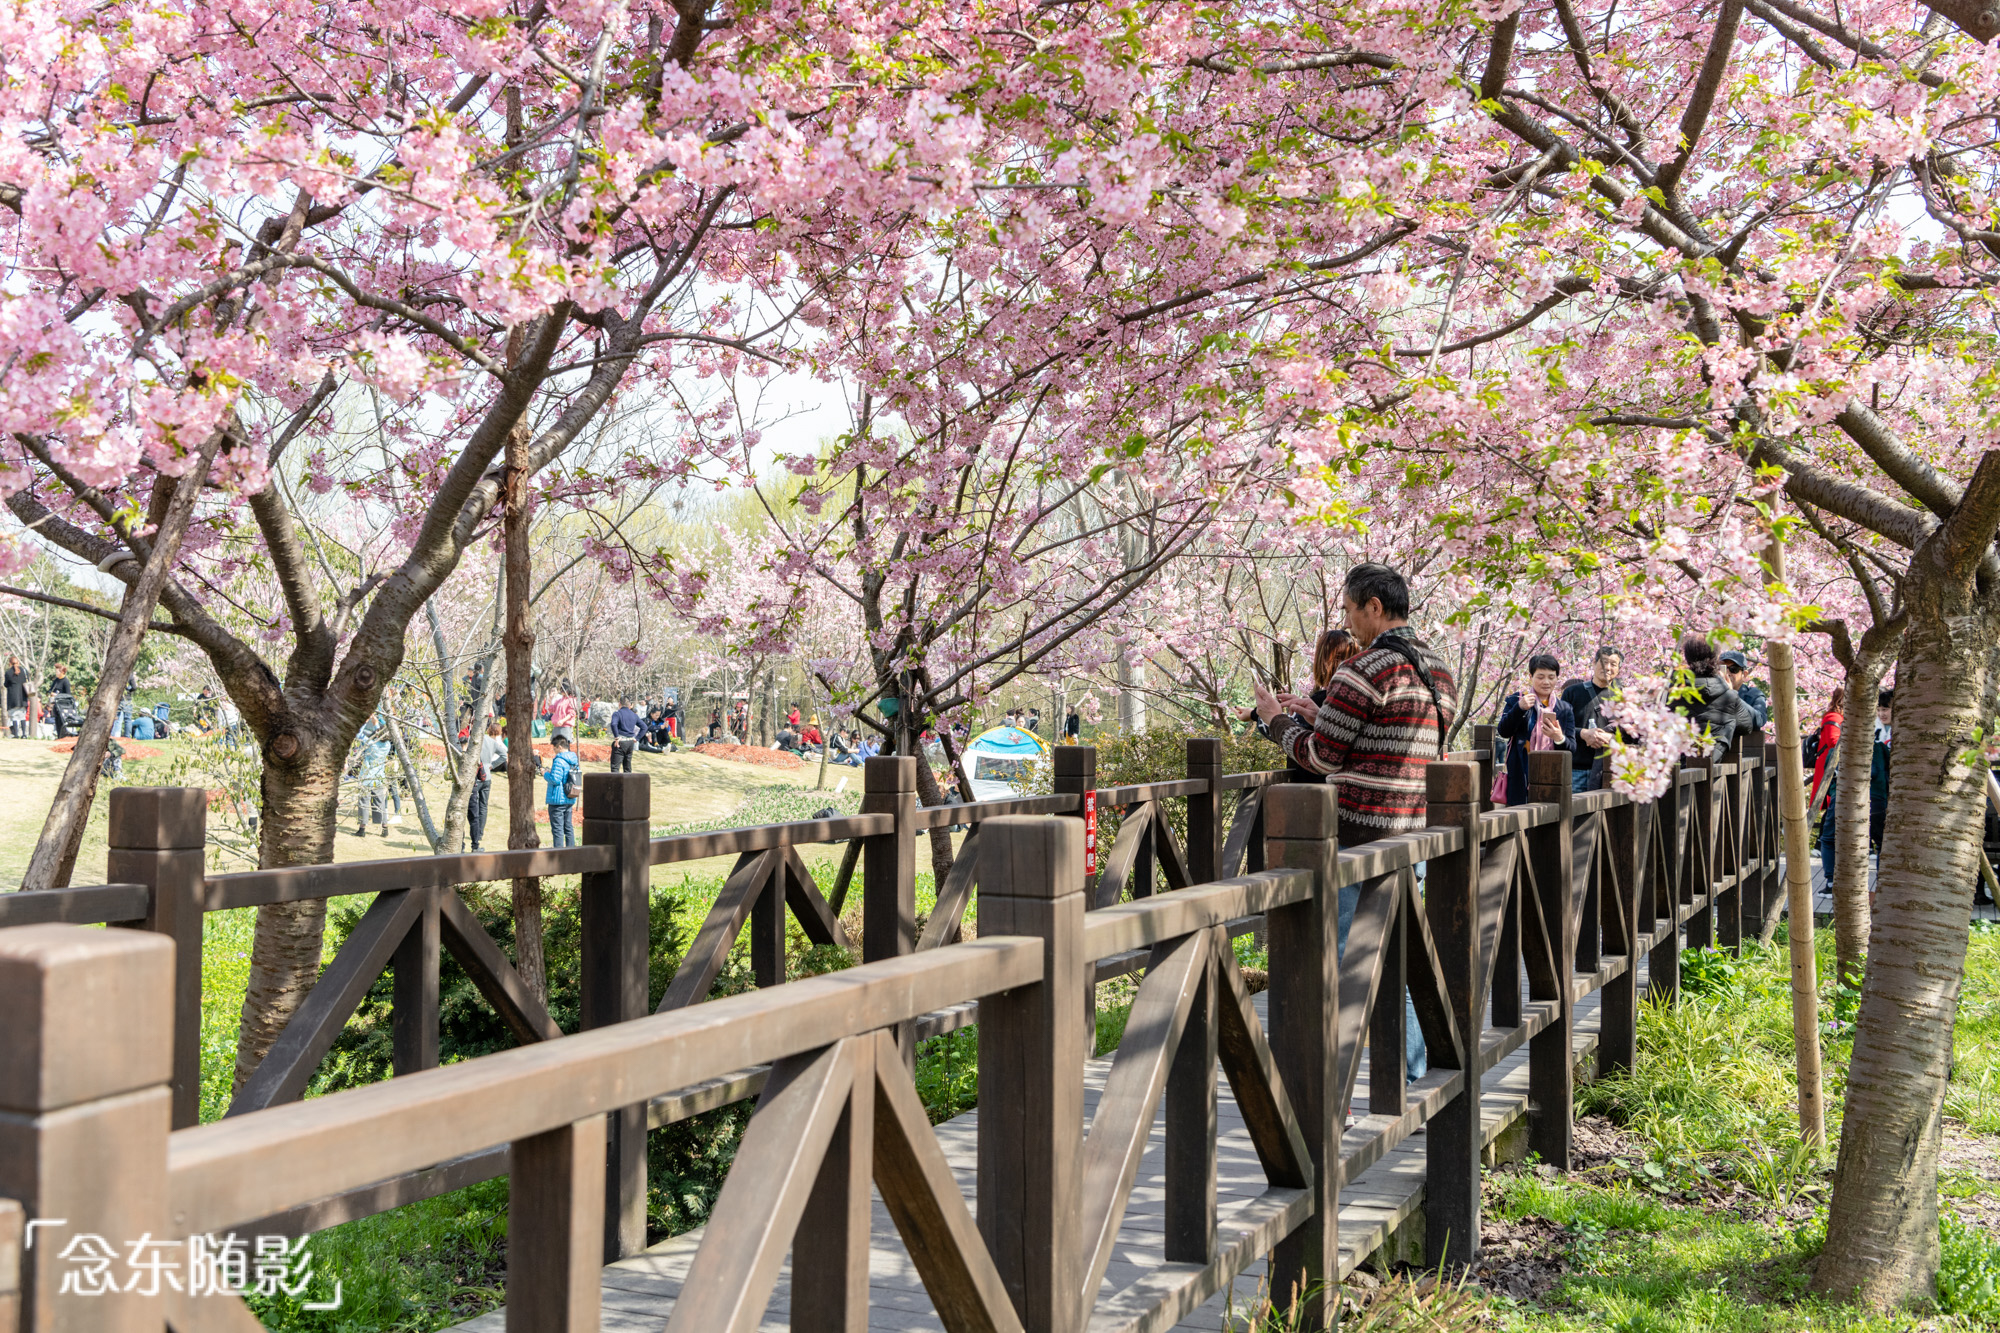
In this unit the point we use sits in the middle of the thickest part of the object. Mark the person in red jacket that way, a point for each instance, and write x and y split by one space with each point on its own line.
1825 770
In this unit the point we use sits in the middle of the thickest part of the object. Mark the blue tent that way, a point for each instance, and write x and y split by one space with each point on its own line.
999 760
1010 741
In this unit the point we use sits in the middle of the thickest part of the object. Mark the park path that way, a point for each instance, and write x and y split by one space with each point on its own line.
639 1293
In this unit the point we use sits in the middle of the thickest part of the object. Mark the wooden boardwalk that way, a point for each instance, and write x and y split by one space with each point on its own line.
639 1293
1823 901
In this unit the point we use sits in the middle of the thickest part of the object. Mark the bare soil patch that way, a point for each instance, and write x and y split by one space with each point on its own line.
1971 1160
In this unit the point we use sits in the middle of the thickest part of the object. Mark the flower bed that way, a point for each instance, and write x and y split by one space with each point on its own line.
749 754
133 749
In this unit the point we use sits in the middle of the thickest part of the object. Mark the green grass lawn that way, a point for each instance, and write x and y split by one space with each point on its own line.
1712 1216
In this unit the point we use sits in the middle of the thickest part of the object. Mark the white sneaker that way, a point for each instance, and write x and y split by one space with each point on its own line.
395 819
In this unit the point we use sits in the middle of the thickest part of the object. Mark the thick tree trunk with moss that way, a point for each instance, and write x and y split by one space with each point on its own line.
1882 1231
299 810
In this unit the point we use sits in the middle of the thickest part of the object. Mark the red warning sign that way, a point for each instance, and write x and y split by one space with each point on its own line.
1090 833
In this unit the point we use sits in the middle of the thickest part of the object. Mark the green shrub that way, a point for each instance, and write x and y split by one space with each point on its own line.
1969 1270
467 1025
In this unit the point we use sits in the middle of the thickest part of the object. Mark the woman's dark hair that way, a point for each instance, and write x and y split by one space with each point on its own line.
1839 698
1379 582
1699 654
1334 647
1543 662
1887 698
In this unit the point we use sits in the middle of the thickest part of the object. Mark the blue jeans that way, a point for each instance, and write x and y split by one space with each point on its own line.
124 725
1415 1057
1828 833
1579 779
562 833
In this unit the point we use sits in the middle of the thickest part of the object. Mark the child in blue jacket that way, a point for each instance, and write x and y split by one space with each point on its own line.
561 771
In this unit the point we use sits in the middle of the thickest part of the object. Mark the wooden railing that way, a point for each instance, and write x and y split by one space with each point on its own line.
1522 913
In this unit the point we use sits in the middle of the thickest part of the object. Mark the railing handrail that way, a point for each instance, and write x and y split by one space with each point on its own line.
230 1172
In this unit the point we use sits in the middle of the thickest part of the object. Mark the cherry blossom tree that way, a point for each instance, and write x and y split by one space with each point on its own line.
1704 261
228 220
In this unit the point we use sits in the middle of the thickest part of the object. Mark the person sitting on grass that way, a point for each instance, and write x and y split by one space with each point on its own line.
560 775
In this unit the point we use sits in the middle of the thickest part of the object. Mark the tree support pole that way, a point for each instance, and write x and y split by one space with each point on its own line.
1798 876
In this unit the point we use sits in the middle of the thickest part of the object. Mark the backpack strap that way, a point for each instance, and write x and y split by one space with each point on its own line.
1404 649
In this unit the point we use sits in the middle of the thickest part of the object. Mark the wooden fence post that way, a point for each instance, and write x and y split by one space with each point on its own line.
1075 774
1729 902
1663 875
617 922
86 1063
555 1192
414 968
889 860
1451 906
1031 1054
1190 1112
1698 851
1551 1058
1483 734
1618 1033
158 838
1304 826
1204 846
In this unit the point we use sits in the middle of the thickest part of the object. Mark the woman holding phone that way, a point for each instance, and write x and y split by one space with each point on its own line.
1535 719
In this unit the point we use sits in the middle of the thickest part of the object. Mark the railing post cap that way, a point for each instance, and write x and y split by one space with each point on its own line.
1206 750
1075 760
1549 768
1452 782
158 818
89 1014
889 772
617 795
1301 810
1030 856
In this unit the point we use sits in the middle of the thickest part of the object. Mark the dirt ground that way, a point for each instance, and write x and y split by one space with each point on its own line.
687 788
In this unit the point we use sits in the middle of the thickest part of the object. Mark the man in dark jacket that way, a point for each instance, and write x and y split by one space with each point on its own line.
1736 675
1586 699
624 736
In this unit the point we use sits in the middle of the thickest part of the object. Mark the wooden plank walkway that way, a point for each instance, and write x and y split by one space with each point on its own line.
639 1292
1823 901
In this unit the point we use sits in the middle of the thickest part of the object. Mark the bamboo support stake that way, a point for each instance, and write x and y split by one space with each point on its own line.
1798 877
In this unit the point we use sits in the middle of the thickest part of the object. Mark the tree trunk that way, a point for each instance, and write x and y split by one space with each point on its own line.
930 794
520 637
1882 1231
1850 857
1131 695
301 791
62 830
465 764
413 779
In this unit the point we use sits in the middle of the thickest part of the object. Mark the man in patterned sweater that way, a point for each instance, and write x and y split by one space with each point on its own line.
1382 720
